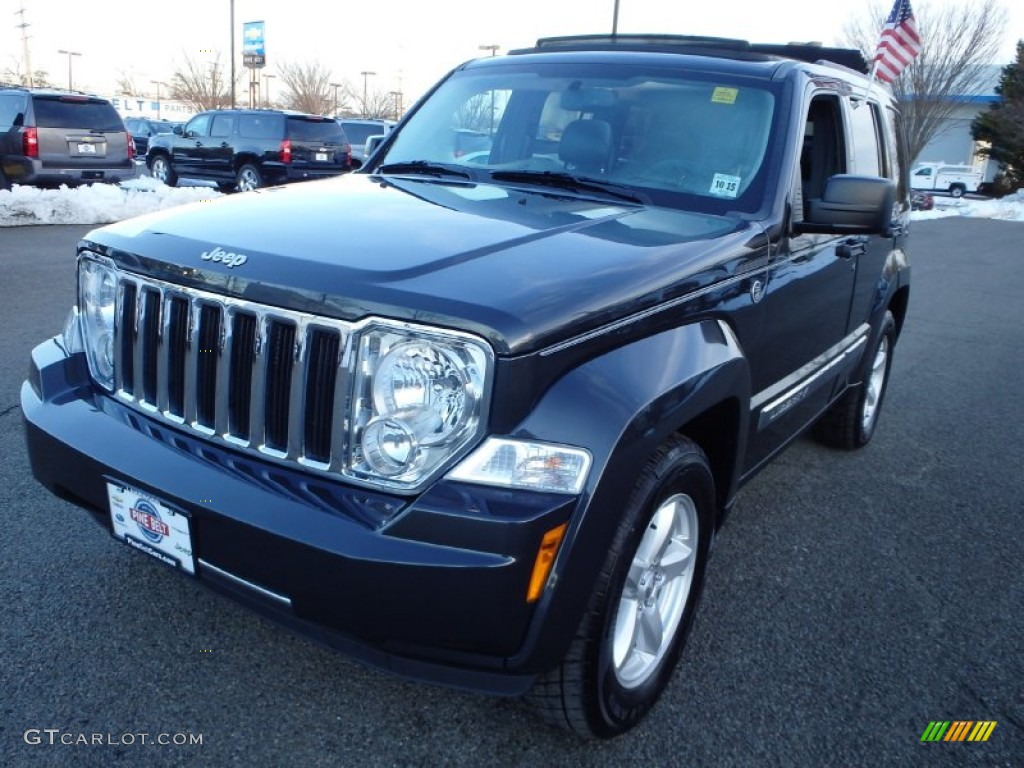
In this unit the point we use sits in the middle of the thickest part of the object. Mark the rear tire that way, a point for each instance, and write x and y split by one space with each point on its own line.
642 606
160 169
850 422
4 183
249 178
957 190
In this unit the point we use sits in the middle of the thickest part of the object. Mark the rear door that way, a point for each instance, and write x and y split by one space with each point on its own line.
80 132
318 144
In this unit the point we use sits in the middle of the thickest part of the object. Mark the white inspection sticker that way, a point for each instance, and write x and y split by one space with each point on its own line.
725 186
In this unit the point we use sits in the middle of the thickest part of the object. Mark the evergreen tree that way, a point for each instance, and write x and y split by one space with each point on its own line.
1002 126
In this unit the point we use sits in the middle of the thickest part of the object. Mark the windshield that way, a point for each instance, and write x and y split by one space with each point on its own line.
683 139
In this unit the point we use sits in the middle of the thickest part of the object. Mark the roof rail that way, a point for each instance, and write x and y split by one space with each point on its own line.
812 53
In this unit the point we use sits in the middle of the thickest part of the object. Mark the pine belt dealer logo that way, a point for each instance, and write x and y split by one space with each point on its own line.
148 519
958 730
228 259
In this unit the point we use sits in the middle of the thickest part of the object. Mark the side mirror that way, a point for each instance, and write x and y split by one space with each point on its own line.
178 130
851 205
372 143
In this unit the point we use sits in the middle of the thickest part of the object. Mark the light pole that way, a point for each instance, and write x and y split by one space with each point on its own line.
266 94
232 55
335 86
366 112
157 83
615 19
398 104
70 54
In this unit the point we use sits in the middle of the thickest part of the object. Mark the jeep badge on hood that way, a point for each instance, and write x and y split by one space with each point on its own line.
226 258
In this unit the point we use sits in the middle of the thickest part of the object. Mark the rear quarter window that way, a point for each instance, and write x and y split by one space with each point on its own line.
260 126
12 109
67 113
328 131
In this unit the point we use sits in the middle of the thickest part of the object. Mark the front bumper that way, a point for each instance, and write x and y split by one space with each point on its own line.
432 587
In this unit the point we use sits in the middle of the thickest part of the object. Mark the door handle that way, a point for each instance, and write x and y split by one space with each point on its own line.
851 247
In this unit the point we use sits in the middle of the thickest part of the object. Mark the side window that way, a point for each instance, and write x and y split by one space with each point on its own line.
222 126
12 110
824 150
256 126
865 139
198 126
896 138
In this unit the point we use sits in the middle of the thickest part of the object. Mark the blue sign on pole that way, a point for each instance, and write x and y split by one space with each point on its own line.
253 48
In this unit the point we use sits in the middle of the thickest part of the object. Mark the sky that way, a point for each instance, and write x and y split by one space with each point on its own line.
407 44
107 203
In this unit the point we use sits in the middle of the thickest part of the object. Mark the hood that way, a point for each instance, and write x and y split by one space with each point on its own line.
523 267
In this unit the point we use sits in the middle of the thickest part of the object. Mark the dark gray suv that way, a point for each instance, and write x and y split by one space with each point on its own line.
51 137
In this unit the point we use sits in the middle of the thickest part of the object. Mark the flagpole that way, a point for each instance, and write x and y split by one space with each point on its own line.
871 82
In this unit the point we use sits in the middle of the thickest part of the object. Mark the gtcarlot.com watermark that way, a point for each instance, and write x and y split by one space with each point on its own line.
56 736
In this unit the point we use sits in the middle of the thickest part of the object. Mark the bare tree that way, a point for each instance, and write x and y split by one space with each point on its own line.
377 104
126 83
477 114
14 73
307 87
958 44
202 85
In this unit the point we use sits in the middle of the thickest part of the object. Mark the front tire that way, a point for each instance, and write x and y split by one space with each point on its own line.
643 603
850 422
249 178
160 169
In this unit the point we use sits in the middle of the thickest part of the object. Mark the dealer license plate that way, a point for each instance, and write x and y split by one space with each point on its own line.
87 149
149 525
322 157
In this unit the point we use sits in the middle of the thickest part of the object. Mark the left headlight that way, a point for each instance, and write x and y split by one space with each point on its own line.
97 301
419 399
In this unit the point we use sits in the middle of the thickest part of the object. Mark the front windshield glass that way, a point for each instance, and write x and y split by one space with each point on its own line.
689 140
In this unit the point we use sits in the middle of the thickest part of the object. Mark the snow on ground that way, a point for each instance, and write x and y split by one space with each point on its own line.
94 204
106 203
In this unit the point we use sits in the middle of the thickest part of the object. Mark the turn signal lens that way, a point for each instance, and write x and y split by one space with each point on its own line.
545 559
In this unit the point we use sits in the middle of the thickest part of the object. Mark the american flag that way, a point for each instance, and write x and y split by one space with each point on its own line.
899 44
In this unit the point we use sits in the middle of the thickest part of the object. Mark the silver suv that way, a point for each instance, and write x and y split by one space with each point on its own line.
51 137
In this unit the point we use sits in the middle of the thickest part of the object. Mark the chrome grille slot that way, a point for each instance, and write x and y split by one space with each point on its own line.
149 340
322 374
243 354
280 355
206 365
264 380
124 362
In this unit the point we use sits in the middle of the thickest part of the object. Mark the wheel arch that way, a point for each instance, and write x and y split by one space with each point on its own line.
699 392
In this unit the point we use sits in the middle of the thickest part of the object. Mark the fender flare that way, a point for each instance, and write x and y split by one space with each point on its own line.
621 406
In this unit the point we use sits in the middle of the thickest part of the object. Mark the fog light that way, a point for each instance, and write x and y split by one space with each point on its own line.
389 446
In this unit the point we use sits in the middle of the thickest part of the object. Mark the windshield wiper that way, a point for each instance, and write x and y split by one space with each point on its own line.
422 167
575 183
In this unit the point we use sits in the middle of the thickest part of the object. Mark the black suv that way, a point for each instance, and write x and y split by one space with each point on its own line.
248 149
476 421
51 137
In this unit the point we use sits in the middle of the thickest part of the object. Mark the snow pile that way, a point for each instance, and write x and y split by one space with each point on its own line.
94 204
1010 208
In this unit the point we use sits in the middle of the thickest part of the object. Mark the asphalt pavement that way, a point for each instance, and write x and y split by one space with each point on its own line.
851 600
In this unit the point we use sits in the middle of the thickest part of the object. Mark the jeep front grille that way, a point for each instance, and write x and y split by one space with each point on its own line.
262 379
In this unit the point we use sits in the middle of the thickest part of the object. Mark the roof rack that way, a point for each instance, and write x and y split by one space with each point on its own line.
813 53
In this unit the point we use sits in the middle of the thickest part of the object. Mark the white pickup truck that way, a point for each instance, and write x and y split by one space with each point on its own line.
955 179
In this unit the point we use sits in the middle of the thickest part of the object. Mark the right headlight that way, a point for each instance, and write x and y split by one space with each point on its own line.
97 301
419 400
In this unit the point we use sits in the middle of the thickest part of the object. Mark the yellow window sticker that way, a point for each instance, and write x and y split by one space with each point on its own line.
724 95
